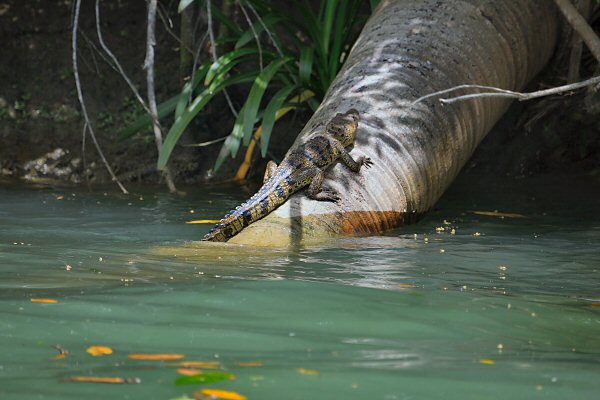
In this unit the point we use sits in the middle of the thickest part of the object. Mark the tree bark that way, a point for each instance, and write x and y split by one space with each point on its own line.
408 49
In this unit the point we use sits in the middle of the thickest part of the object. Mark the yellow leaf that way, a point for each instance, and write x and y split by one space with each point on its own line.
250 364
222 394
499 214
50 301
99 350
188 371
306 371
203 221
101 379
59 356
487 361
158 356
198 364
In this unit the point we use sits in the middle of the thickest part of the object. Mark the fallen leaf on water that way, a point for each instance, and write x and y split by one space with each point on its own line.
250 364
499 214
99 350
44 301
203 221
487 361
62 352
197 364
188 371
596 304
158 356
101 379
306 371
219 394
207 377
406 286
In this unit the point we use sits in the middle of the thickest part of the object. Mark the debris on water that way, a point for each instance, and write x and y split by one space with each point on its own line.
99 350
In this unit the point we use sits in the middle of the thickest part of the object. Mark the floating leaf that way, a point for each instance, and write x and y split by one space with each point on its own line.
188 371
203 221
499 214
221 394
198 364
207 377
59 356
487 361
49 301
250 364
158 356
306 371
101 379
99 350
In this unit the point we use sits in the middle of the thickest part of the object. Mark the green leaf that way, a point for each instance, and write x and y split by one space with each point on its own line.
205 377
144 121
305 65
187 90
374 4
193 109
270 115
257 91
225 62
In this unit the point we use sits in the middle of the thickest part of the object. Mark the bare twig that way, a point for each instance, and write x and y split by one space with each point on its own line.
204 144
81 101
213 50
115 62
496 92
584 8
149 67
256 38
581 26
267 30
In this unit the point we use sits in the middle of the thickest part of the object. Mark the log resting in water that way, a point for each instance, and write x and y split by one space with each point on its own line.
408 49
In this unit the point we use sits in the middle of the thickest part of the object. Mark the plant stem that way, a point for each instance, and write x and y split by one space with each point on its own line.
149 67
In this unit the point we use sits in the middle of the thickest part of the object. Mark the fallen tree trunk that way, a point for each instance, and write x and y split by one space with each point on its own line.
408 49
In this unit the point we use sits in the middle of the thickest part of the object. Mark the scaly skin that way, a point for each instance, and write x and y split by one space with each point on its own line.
302 167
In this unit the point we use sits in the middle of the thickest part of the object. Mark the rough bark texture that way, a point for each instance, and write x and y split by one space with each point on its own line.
407 49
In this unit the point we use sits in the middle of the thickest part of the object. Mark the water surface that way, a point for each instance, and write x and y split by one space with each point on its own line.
458 306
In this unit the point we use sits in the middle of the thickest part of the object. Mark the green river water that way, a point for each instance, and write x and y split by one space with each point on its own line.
504 308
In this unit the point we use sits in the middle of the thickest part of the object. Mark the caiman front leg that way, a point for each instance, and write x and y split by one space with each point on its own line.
351 163
270 171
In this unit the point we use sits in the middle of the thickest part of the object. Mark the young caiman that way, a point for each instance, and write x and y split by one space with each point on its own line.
302 167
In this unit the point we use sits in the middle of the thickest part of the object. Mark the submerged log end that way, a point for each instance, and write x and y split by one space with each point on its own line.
287 227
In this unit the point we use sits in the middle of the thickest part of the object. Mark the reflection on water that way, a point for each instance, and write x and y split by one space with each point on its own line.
460 305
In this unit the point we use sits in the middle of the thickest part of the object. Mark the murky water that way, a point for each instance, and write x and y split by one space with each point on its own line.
499 308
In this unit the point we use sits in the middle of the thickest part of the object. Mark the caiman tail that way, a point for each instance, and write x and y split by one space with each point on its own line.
270 196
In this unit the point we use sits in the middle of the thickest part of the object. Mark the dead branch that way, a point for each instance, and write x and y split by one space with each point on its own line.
149 67
496 92
213 51
256 38
581 26
90 129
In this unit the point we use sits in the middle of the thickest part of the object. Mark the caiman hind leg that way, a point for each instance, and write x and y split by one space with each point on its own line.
270 171
316 192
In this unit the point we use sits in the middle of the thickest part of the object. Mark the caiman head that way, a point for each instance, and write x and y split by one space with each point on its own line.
344 126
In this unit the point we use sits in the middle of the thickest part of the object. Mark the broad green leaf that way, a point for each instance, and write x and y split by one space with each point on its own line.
254 98
225 61
187 90
329 19
193 109
270 116
305 65
144 121
374 4
205 377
